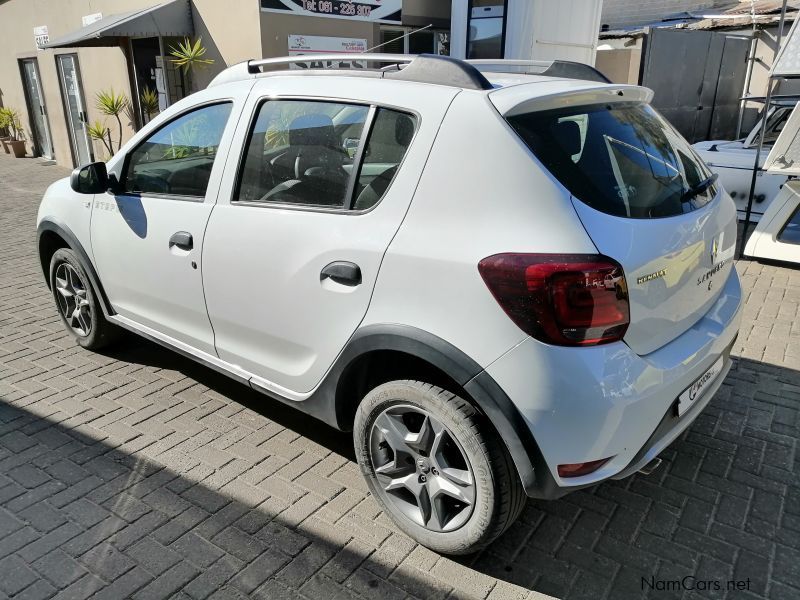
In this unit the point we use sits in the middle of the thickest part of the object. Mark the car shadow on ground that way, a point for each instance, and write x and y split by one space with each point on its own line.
73 503
724 507
143 352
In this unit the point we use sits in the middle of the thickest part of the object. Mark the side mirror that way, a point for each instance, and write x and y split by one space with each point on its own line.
350 145
90 179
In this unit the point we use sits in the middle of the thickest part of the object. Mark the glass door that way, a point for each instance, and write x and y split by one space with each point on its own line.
38 115
75 108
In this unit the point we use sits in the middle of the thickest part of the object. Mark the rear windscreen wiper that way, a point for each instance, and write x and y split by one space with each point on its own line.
699 188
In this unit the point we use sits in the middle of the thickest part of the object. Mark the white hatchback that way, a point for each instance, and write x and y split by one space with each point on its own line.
505 284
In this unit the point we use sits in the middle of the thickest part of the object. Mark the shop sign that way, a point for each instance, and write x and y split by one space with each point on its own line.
89 19
41 36
300 45
380 11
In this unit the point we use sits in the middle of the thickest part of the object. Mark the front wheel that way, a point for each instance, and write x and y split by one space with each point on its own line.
77 302
437 466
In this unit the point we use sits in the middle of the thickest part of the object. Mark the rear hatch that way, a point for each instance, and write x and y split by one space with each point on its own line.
644 197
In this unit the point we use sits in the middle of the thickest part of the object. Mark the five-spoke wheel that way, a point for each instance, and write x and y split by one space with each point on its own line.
436 465
76 301
72 299
421 468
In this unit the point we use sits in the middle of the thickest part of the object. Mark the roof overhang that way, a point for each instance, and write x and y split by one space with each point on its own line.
172 18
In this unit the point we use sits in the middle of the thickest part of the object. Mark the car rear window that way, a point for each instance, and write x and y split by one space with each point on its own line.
622 159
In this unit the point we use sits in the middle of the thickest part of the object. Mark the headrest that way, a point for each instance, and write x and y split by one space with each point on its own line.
312 130
568 136
403 130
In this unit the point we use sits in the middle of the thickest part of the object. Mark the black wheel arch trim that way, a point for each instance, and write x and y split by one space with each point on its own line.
479 385
51 224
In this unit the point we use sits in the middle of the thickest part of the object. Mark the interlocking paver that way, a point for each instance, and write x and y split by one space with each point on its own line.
138 474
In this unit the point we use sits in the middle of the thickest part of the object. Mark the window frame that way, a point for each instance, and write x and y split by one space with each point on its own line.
358 157
180 197
470 6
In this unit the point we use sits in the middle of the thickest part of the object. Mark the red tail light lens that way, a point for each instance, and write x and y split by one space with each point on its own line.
563 299
580 469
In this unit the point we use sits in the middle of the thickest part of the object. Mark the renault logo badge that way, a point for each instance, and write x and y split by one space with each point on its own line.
714 251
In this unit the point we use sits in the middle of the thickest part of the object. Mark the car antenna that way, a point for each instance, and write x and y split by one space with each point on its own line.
410 33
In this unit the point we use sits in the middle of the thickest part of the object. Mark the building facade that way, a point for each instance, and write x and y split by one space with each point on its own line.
56 56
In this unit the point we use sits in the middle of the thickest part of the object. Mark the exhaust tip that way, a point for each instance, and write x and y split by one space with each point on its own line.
650 467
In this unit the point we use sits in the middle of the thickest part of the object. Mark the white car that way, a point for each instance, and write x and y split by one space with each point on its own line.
733 161
503 284
777 235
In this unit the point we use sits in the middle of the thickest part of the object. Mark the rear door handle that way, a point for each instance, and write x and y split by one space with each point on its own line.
182 239
342 272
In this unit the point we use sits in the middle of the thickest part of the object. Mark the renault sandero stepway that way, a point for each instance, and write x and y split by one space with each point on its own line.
507 280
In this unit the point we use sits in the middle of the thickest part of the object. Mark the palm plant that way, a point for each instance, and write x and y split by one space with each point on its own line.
5 125
149 102
98 131
113 105
189 57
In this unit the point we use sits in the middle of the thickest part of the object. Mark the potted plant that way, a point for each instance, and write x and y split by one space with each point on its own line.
5 125
12 122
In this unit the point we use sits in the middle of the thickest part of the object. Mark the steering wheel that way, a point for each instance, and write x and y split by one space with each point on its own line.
153 183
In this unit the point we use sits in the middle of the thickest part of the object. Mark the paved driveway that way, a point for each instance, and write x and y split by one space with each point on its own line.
139 474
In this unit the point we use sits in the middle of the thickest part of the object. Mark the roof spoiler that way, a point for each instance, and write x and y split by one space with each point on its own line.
565 69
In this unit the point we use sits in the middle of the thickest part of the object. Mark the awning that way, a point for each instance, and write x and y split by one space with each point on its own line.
168 19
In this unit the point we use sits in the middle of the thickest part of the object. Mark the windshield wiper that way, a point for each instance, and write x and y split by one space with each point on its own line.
699 188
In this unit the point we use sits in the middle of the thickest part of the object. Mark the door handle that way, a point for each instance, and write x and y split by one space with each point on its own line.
342 272
182 239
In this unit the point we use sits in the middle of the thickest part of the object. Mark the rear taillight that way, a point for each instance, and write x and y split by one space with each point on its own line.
563 299
581 469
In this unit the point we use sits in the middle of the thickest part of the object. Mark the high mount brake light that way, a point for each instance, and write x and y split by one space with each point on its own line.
562 299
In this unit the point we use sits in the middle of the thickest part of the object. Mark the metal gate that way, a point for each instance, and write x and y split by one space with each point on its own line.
698 79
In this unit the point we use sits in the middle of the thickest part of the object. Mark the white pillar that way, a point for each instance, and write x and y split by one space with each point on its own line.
458 28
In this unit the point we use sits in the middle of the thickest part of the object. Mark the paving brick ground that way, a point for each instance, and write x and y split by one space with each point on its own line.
140 474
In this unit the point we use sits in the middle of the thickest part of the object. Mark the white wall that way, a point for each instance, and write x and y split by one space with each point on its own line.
539 29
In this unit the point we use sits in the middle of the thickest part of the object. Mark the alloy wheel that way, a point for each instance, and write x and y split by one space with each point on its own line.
421 469
73 299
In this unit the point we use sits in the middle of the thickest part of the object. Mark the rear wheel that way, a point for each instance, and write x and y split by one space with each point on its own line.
437 466
77 302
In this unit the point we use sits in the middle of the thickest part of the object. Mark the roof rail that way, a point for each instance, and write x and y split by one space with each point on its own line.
254 66
549 68
422 68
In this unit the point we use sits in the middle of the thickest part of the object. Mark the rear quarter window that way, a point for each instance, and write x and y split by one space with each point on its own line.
622 159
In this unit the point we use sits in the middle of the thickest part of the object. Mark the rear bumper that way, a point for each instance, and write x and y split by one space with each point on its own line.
585 404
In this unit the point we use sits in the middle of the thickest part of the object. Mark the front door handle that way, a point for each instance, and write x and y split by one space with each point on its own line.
182 239
342 272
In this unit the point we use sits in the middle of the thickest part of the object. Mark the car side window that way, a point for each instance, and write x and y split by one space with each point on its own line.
790 233
301 152
177 159
387 145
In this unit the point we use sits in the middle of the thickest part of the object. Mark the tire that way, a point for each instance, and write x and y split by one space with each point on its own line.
459 523
71 287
